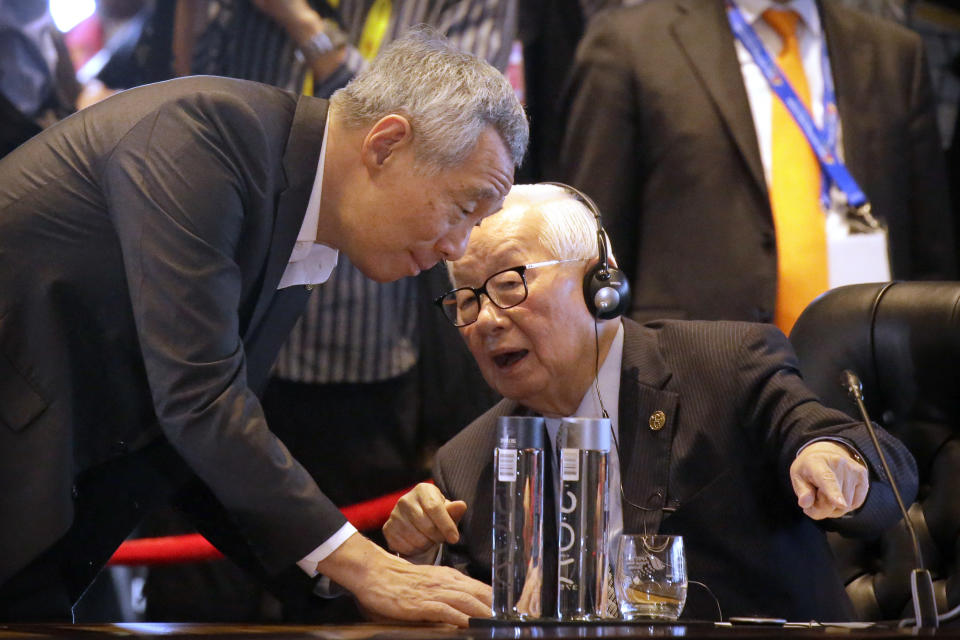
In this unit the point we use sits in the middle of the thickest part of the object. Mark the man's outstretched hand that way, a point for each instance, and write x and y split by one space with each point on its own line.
828 480
391 587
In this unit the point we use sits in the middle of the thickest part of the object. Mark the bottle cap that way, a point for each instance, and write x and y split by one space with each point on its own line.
585 433
520 432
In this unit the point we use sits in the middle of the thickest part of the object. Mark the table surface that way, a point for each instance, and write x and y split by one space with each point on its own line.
371 631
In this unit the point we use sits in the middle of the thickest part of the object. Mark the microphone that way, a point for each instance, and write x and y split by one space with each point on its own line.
921 582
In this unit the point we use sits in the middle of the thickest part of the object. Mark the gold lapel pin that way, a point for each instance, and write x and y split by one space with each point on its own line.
657 420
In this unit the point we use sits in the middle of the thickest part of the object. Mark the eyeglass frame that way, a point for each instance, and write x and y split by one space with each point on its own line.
521 270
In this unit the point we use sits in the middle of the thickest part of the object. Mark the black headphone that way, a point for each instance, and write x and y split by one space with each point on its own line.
606 291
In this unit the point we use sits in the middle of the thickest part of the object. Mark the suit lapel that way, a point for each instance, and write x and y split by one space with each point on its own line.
645 452
300 168
704 35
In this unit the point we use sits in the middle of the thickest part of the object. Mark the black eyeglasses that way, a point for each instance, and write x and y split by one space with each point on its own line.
506 289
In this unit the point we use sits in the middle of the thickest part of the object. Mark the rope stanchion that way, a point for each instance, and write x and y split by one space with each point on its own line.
193 547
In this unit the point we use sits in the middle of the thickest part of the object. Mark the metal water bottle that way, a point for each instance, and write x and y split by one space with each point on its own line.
584 444
518 518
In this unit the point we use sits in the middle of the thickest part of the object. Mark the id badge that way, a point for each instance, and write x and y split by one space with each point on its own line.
857 247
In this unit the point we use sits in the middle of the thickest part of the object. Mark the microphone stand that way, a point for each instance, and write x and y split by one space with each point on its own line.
921 582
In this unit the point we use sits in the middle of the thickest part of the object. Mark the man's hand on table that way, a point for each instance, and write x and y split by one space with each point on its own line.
391 587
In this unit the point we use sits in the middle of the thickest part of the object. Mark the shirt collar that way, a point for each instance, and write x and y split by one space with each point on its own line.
311 262
807 10
608 381
308 231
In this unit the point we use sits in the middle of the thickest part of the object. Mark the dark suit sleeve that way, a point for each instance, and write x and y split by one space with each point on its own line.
785 415
599 153
179 187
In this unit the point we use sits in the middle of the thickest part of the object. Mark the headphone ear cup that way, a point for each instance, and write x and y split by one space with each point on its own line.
606 292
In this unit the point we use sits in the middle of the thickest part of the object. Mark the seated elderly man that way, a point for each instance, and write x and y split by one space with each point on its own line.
719 440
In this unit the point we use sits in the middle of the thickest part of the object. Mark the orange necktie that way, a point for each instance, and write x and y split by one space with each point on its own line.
795 190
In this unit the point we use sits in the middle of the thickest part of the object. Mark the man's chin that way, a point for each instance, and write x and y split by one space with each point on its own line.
382 272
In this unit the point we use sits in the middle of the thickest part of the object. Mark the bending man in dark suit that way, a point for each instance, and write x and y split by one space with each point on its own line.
153 255
668 129
740 442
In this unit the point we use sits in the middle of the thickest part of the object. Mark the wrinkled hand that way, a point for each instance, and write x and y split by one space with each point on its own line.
422 520
828 481
392 588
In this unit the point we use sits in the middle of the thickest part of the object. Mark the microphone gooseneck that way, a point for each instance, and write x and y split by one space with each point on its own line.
921 582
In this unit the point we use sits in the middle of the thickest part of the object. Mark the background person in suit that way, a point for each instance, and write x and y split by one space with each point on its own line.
151 250
670 130
739 444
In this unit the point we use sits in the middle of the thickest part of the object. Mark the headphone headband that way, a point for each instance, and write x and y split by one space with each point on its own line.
606 290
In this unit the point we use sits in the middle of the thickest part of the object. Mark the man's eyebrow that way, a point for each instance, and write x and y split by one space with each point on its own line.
480 193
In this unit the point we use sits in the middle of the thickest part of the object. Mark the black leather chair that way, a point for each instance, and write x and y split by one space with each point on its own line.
903 340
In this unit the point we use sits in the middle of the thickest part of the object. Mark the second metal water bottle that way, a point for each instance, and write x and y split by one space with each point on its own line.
518 518
584 444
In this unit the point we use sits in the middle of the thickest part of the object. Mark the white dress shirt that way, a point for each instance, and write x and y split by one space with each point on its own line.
310 262
851 258
811 41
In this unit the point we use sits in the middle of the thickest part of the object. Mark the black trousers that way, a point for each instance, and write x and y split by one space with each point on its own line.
109 501
358 441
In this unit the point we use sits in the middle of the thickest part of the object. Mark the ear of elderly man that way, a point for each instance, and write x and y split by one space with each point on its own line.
748 465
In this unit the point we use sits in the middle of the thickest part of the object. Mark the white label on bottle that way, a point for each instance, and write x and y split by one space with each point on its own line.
570 464
507 465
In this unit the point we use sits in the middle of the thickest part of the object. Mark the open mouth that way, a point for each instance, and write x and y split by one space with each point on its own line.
504 360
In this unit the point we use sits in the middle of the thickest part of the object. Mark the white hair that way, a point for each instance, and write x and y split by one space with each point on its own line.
449 97
565 226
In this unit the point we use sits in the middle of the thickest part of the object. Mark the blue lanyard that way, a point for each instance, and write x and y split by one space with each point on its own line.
822 142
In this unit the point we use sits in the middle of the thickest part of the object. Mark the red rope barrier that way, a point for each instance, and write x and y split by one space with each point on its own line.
193 547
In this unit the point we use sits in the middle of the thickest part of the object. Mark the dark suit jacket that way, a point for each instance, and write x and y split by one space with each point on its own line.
717 473
660 134
141 244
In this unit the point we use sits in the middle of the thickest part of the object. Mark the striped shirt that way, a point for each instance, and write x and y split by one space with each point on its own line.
354 329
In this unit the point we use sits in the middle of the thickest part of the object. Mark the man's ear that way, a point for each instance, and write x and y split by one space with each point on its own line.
387 136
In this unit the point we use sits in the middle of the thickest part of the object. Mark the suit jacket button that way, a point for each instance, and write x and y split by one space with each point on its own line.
74 492
119 447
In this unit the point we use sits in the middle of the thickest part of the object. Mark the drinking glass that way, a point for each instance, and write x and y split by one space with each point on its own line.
651 577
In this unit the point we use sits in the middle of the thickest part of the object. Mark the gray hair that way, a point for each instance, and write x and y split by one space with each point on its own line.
450 98
566 228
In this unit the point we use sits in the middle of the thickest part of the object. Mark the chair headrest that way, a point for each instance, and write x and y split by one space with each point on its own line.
901 338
